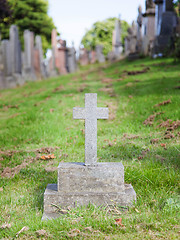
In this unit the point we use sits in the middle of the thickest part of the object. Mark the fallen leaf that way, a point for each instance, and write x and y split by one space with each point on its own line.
163 145
41 232
60 88
5 225
155 140
51 110
73 232
169 135
119 222
47 157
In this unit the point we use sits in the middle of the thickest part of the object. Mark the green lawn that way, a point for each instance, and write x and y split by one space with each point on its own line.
36 119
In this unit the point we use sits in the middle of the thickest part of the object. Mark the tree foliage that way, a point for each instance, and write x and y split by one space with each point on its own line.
101 33
5 12
32 15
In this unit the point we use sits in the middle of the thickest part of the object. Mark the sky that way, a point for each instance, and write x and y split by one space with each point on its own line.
73 17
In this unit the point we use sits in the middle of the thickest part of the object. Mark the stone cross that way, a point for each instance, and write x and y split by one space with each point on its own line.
90 113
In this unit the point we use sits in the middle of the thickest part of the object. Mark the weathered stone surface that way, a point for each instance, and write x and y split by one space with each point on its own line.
90 113
99 54
166 23
53 198
28 57
117 45
103 177
71 60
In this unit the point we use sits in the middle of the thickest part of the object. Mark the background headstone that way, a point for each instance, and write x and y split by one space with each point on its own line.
99 54
71 55
28 61
166 23
139 30
83 57
6 65
16 60
41 65
148 28
117 45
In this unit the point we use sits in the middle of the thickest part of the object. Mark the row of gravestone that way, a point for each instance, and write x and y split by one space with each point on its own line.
151 34
154 30
87 57
16 66
63 59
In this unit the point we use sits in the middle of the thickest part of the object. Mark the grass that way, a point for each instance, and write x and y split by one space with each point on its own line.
36 119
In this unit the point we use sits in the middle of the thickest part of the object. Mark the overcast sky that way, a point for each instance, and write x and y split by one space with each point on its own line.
73 17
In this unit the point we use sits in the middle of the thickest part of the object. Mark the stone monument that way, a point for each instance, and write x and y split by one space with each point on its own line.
148 28
99 54
16 61
117 45
90 182
28 56
139 30
166 23
83 57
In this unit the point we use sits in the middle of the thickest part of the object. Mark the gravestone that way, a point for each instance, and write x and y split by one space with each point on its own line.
2 75
71 58
28 56
117 45
83 57
7 80
139 30
93 56
90 182
99 54
62 57
16 61
131 43
166 23
39 67
52 63
148 28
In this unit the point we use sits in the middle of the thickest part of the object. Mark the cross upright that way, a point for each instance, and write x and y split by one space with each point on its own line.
90 114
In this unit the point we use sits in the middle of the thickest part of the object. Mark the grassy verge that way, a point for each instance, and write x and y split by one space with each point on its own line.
142 132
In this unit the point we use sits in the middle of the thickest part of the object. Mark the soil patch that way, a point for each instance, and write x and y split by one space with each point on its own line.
132 73
58 89
149 121
163 103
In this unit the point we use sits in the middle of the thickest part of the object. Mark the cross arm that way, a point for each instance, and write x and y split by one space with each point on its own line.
102 113
78 113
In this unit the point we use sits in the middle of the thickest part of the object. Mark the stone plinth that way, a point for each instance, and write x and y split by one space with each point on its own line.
103 177
79 185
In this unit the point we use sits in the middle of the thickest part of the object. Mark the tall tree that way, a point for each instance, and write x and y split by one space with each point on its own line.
32 15
101 33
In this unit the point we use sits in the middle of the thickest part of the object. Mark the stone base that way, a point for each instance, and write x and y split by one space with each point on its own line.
79 185
53 198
